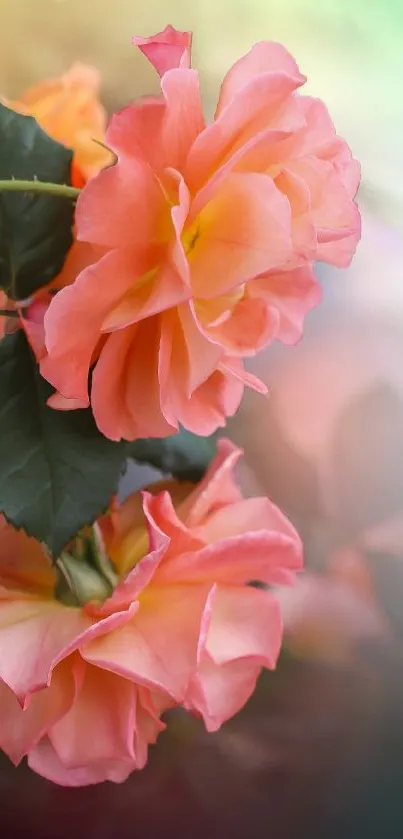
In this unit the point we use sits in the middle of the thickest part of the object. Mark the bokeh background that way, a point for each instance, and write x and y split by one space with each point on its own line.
319 750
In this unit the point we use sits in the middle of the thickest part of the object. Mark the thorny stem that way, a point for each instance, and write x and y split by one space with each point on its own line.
58 190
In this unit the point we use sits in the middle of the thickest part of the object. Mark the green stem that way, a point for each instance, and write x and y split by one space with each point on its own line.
59 190
9 313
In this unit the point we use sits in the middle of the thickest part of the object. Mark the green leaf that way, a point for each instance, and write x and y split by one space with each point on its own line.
185 456
35 229
57 472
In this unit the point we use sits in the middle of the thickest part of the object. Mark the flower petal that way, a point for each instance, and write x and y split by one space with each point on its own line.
217 693
44 760
244 515
136 553
167 49
108 397
184 118
163 515
250 112
217 488
304 234
335 215
265 555
248 328
148 724
210 404
186 358
33 636
234 367
264 57
126 399
136 130
21 729
245 623
164 286
291 294
245 230
319 138
159 648
74 319
140 210
99 726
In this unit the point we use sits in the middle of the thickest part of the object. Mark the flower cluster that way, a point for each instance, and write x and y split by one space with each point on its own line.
141 263
173 622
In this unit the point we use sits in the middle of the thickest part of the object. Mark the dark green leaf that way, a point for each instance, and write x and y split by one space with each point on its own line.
57 472
35 229
185 456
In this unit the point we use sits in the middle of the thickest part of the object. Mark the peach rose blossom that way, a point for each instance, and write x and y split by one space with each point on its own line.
68 108
200 243
82 688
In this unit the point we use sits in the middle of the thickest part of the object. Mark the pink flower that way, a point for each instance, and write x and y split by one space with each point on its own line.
83 687
167 49
203 238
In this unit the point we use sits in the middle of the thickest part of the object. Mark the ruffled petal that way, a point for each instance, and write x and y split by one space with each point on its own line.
184 118
136 130
241 516
159 648
34 636
74 319
249 327
233 366
251 106
99 726
165 518
319 138
210 404
80 256
158 132
244 231
108 396
186 358
21 729
140 212
167 49
44 760
304 234
217 693
126 399
217 488
164 286
245 623
136 553
334 214
265 555
292 294
264 57
148 723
